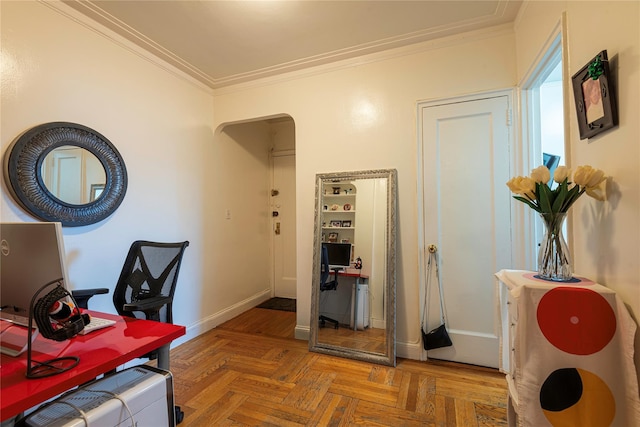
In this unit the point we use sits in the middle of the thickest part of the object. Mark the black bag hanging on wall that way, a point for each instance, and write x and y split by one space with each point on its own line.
438 337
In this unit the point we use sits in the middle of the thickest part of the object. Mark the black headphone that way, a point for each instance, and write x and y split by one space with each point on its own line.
41 310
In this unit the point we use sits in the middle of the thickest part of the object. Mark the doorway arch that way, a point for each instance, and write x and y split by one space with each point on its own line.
245 205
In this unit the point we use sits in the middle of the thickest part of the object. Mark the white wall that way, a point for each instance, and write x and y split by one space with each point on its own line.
283 134
606 236
180 181
180 177
355 117
371 243
348 116
237 230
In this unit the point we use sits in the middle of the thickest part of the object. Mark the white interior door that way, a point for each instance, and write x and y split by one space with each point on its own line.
466 213
67 175
283 204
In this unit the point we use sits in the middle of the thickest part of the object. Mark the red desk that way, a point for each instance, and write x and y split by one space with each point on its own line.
343 273
99 352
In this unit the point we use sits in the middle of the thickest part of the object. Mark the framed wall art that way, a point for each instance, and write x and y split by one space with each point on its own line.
595 97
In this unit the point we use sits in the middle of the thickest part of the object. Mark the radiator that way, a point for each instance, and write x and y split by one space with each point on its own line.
146 390
362 307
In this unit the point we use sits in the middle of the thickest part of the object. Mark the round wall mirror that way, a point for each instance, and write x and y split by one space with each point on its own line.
65 172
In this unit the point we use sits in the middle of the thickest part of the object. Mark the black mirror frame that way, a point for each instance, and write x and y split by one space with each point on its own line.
23 164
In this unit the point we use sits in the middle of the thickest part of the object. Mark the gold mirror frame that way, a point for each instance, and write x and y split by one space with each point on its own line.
388 356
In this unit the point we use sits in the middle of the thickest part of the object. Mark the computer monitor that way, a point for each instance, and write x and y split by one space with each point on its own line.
31 255
339 255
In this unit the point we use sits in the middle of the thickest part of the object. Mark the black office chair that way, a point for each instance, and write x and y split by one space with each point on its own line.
145 289
147 281
325 285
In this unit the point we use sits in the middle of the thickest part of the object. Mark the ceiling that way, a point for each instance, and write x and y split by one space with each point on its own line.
221 43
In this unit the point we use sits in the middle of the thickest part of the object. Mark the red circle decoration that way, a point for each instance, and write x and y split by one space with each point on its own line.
576 320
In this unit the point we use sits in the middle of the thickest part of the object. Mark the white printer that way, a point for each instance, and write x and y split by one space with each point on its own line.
138 396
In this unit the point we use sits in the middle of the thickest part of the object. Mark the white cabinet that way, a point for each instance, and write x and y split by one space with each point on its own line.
567 352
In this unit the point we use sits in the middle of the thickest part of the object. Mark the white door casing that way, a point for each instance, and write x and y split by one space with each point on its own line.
464 164
283 201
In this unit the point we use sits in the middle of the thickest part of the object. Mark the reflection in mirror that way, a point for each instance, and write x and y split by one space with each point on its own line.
353 298
73 175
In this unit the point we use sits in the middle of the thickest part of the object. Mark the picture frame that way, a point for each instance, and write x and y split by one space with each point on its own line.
346 223
335 223
594 96
333 238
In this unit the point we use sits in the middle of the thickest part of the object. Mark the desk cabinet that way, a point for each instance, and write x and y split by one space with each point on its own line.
349 303
567 352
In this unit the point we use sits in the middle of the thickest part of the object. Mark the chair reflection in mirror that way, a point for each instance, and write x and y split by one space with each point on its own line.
327 285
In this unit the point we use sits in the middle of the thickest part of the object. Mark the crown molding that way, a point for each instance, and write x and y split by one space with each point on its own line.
417 48
90 14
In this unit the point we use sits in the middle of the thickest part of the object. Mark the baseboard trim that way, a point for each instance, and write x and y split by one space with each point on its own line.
210 322
302 333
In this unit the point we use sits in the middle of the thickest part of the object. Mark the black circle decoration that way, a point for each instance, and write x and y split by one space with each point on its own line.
23 164
561 390
571 396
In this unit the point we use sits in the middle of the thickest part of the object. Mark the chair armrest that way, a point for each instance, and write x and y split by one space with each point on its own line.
82 295
148 304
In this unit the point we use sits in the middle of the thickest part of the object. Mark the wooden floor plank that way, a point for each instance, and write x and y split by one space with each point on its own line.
251 372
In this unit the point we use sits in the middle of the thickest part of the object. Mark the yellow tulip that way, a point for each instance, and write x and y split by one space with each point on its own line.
541 174
523 185
598 192
588 177
561 173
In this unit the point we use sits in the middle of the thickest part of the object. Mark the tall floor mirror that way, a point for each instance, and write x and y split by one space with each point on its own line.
353 306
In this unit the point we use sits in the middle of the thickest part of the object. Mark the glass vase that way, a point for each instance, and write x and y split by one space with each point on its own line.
554 259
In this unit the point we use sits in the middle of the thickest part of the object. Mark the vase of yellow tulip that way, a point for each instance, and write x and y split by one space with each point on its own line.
554 259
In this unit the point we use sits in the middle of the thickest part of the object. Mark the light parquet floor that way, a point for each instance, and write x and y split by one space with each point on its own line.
250 371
